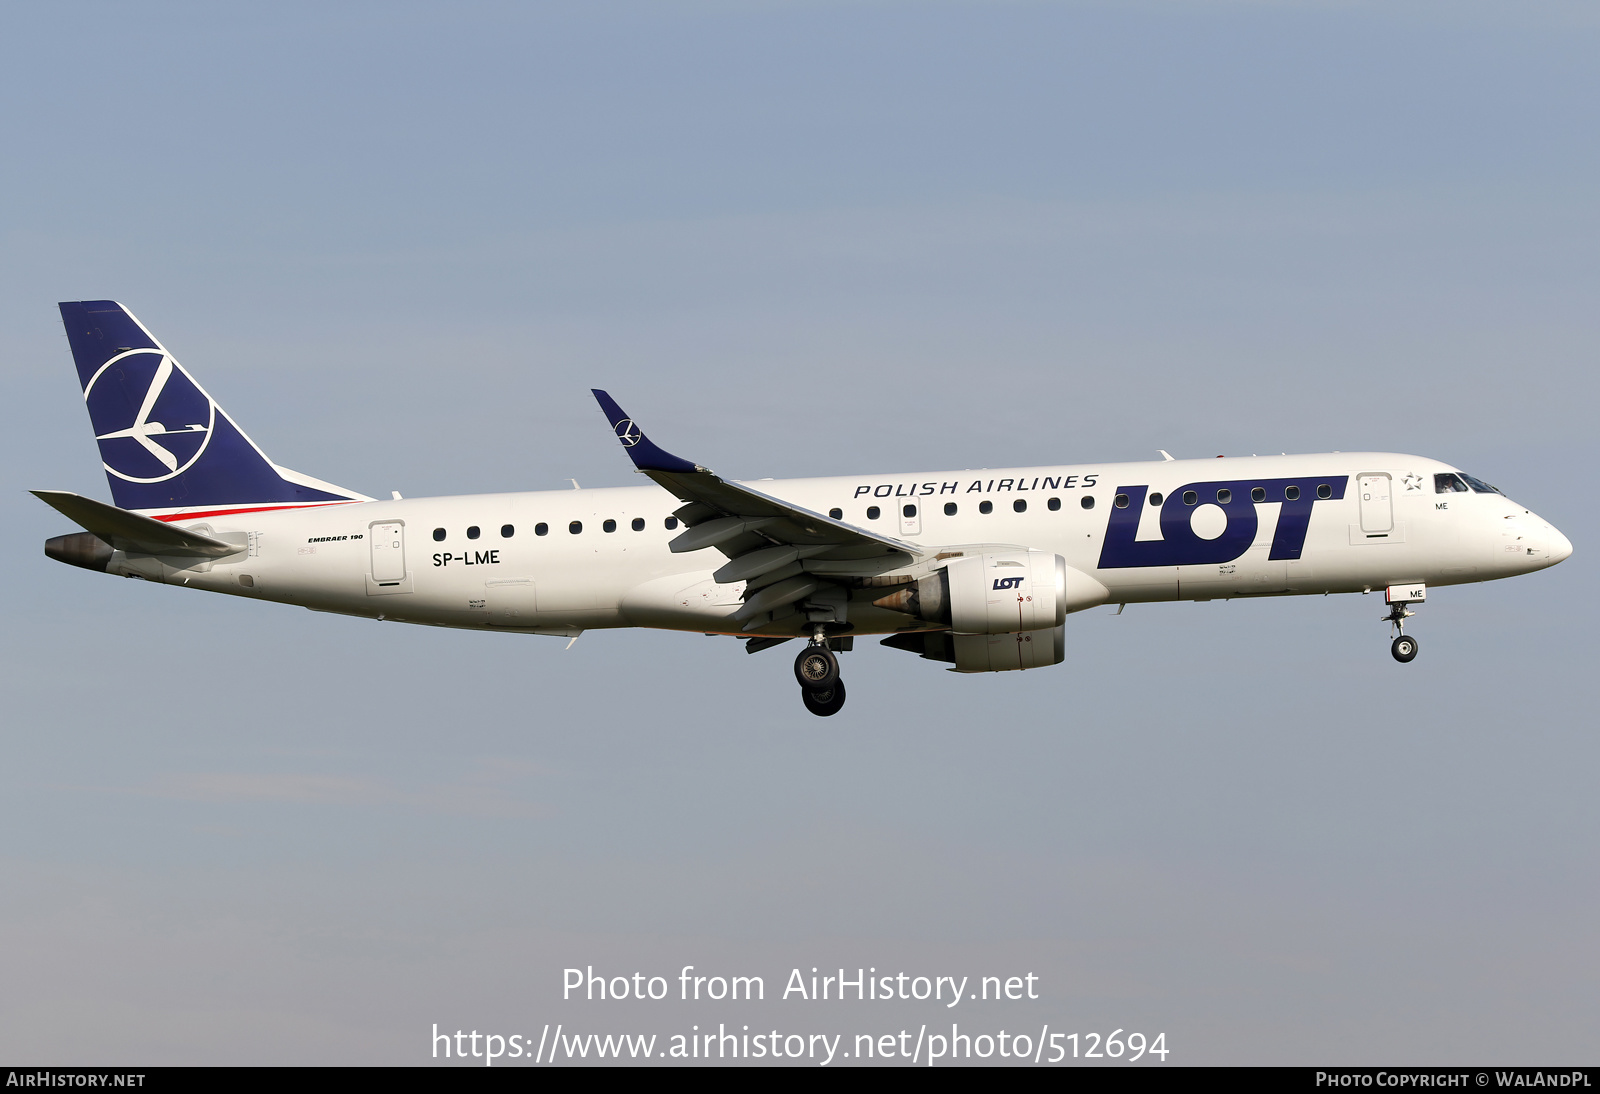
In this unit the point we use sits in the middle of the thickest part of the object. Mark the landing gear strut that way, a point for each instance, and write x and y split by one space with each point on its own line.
817 670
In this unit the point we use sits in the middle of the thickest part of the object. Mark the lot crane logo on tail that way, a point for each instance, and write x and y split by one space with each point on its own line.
172 418
628 433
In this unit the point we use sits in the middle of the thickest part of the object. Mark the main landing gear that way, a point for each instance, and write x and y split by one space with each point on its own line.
817 670
824 703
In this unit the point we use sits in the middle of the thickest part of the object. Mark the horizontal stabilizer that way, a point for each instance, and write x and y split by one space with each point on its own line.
131 532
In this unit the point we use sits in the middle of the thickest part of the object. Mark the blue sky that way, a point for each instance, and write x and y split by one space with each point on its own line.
399 242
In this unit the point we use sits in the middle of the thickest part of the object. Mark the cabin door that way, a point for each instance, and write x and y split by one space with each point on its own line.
1377 511
388 545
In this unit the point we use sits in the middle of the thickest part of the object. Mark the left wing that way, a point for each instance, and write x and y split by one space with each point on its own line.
791 559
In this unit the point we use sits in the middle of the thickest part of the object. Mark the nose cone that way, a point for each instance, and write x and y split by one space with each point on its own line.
1528 542
1560 546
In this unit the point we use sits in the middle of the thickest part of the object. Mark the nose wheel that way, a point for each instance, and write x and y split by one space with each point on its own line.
817 670
1403 648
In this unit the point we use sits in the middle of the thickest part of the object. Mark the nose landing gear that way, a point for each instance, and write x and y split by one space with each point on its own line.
1400 598
817 670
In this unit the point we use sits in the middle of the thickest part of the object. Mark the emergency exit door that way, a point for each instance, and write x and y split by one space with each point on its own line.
388 546
910 519
1377 511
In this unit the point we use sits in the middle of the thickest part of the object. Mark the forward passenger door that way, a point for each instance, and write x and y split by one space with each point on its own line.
1377 510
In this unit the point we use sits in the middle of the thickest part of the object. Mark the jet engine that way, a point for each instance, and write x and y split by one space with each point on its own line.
999 592
986 652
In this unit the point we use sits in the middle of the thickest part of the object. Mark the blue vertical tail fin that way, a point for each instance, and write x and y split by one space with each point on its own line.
167 447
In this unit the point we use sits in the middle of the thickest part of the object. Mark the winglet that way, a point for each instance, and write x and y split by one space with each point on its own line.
645 454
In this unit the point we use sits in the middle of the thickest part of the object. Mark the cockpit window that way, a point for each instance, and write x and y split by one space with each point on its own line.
1449 484
1479 486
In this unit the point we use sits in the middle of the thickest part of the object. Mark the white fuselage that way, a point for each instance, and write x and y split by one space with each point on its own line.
412 560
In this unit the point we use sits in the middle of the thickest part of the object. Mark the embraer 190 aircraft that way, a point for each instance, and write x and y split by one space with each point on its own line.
975 569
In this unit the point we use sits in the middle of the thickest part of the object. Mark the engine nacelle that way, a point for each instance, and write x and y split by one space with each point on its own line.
1005 652
987 652
999 592
1007 592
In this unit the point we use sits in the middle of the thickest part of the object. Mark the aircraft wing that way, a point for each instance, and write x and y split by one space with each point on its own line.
131 532
784 553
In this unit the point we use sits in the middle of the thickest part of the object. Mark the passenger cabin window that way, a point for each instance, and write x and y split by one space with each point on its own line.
672 522
1087 502
1258 494
575 527
507 531
638 524
1020 505
1120 501
1324 491
986 507
541 529
1054 505
1156 498
836 514
872 512
1224 497
1449 484
1190 497
609 526
1479 486
949 508
438 535
908 510
473 532
1291 493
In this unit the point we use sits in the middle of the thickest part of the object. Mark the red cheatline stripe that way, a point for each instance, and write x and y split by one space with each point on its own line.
257 509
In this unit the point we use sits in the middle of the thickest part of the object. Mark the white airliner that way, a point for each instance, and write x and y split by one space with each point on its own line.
978 569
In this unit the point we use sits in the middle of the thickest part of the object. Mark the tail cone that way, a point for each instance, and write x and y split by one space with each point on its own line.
80 549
